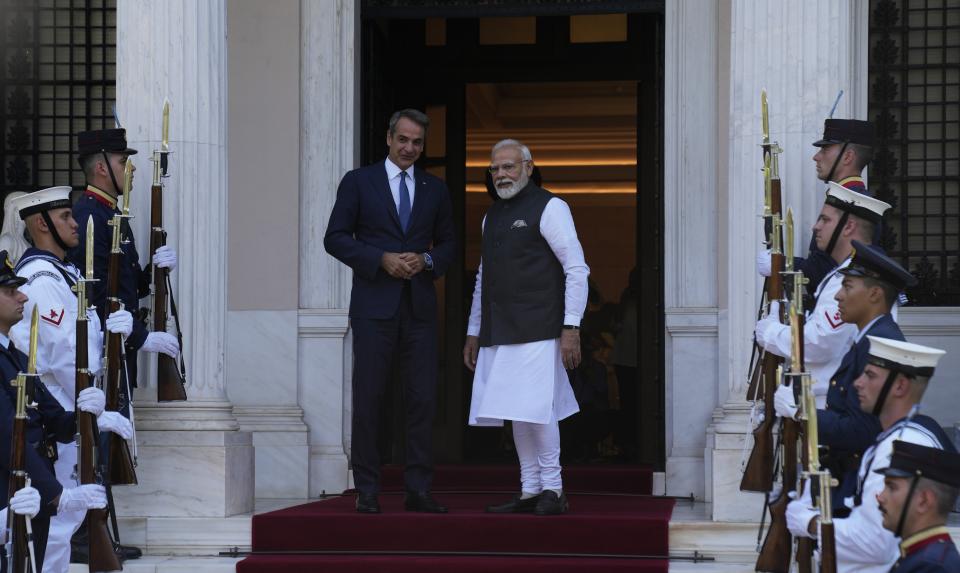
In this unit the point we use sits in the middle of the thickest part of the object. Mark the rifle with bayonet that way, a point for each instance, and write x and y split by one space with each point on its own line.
21 554
818 479
777 546
89 468
171 379
121 464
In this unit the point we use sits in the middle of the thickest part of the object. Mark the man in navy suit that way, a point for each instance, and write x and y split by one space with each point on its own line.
392 224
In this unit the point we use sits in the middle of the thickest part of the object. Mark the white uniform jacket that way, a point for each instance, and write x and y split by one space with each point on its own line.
49 290
826 338
863 545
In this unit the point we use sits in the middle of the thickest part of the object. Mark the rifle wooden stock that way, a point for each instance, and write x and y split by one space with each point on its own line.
18 550
170 383
121 466
805 549
828 549
775 553
101 554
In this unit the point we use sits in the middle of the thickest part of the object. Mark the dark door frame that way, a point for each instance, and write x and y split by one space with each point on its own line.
398 71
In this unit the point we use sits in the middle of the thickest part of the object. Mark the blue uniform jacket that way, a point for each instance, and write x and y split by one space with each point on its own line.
364 224
938 557
843 427
134 281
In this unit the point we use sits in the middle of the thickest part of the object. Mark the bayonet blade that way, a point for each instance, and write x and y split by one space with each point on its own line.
34 331
88 267
764 117
788 247
165 141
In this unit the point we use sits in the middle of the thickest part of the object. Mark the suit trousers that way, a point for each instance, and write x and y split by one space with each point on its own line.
414 340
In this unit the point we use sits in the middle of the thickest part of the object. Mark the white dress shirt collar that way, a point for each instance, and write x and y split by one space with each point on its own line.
393 171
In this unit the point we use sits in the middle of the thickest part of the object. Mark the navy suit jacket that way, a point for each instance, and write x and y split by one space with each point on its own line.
364 224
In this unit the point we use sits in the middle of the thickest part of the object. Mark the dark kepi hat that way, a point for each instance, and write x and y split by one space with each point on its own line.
8 278
914 460
847 131
99 140
869 261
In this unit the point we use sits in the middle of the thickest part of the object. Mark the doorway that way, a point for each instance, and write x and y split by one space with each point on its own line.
584 92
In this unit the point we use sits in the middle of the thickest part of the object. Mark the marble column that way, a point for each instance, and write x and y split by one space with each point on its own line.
690 247
803 53
329 148
193 461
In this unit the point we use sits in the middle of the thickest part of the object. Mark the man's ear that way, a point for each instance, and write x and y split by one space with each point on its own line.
849 156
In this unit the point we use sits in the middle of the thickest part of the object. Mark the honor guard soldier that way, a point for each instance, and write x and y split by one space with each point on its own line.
920 488
47 423
844 151
846 216
869 289
893 382
103 154
49 286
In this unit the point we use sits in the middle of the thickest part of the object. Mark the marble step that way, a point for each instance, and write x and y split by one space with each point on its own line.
166 564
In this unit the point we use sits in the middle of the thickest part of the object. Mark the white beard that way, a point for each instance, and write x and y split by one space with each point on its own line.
515 187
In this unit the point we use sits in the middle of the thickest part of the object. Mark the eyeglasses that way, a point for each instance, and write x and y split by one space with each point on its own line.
508 167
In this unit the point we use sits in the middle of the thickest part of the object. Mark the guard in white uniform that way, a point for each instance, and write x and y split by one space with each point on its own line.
826 338
523 334
894 379
51 227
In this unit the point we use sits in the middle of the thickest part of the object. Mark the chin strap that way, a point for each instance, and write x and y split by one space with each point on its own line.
113 179
836 234
887 385
53 231
837 161
906 504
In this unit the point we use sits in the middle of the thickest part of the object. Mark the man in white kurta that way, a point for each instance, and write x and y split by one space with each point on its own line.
49 287
845 216
895 378
521 339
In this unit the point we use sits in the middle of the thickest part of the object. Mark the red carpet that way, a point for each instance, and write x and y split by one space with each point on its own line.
596 526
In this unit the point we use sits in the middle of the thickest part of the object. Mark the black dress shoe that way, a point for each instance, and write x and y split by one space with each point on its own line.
367 503
551 504
515 505
127 552
423 502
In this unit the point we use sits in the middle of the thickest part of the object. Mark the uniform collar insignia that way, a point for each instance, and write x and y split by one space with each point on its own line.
918 541
102 196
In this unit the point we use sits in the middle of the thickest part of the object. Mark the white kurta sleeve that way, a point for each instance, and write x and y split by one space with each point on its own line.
825 335
556 226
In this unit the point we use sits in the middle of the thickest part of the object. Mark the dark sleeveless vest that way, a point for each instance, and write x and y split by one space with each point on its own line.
523 285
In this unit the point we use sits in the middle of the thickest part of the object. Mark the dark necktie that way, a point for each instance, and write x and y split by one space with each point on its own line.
403 209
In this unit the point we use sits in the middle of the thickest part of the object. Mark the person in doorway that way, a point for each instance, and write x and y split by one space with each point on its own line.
392 224
893 383
843 152
523 333
921 485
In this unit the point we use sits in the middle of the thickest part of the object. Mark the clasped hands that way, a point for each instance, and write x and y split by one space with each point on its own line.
402 265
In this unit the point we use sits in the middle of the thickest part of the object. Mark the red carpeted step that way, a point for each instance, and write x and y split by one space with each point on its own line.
622 525
391 564
602 479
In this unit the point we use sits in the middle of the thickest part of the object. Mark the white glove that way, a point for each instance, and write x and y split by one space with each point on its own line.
799 514
162 342
120 322
768 326
26 502
165 257
763 262
115 422
91 400
784 403
82 498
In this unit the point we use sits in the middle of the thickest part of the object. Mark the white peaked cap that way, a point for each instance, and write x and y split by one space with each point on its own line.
856 203
42 200
906 357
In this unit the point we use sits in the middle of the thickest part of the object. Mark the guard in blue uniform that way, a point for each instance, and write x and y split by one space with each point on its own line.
47 424
920 486
844 151
103 154
871 285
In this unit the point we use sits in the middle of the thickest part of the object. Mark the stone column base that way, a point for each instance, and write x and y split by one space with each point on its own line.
725 455
280 440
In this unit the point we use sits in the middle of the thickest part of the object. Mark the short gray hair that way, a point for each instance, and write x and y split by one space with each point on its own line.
505 143
414 115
